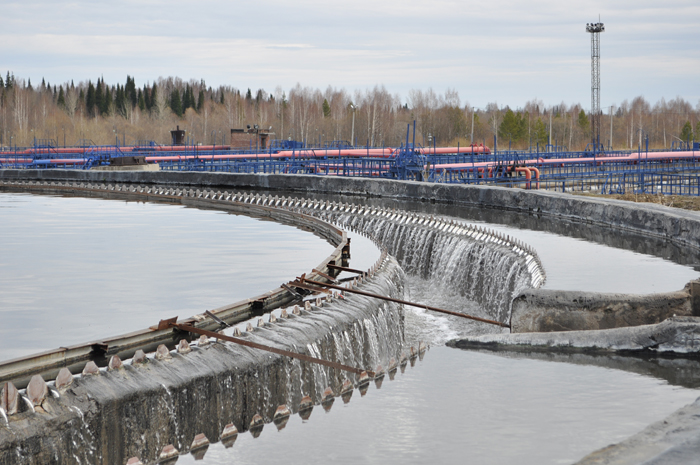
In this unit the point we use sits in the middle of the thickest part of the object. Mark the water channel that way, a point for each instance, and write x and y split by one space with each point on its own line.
74 269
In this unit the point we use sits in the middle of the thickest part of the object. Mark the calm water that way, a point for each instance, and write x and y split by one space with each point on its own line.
75 269
575 264
458 407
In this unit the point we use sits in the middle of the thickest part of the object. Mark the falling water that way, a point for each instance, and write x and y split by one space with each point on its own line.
170 408
355 330
488 273
82 440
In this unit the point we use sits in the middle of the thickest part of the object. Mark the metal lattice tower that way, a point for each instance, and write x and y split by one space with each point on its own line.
595 29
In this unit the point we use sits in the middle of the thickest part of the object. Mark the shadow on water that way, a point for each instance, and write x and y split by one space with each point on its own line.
682 372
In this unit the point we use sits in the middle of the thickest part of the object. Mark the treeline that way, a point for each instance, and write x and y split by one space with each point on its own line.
101 113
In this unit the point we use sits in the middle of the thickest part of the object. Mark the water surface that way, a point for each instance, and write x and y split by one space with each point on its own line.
73 269
77 269
457 407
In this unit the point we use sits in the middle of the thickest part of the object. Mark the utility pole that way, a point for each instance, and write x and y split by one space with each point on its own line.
549 143
352 134
595 29
611 120
471 138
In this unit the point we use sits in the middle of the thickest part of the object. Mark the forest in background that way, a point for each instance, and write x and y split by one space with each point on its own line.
102 113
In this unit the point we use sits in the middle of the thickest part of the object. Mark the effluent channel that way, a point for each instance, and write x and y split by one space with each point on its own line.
74 269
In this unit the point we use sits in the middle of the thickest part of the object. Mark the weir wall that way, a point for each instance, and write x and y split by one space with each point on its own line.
74 357
535 310
675 225
138 409
102 413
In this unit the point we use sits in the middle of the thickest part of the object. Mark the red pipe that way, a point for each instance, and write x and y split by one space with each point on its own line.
448 150
537 175
528 175
632 158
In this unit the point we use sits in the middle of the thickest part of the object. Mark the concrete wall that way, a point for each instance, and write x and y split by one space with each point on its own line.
541 310
137 409
678 226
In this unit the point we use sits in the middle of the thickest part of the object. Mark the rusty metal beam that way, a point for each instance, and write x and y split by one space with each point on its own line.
292 291
345 268
307 287
309 284
324 275
275 350
221 322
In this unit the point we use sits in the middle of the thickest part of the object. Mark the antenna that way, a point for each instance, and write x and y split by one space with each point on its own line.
595 29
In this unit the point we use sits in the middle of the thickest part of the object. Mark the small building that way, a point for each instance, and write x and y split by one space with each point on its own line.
177 136
251 138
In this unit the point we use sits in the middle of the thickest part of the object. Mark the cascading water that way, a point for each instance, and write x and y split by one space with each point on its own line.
355 330
488 273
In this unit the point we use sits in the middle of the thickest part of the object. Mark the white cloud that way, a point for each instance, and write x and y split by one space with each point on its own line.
501 50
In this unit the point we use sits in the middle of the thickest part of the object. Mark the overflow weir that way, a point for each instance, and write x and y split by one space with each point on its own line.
216 384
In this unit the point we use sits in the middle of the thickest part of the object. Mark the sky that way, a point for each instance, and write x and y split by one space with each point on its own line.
502 51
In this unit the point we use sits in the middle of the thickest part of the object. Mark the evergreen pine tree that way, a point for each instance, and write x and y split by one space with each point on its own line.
98 97
222 97
153 97
9 81
539 133
146 97
43 84
511 127
107 101
583 120
90 102
2 84
200 100
687 132
29 84
61 102
141 101
248 95
326 109
176 102
131 91
120 101
186 98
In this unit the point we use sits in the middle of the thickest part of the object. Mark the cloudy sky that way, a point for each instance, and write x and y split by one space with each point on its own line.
500 51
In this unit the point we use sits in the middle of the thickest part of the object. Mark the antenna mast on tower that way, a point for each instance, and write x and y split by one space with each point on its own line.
595 29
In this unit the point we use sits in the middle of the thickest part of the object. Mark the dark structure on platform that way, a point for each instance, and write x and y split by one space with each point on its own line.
177 136
253 138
